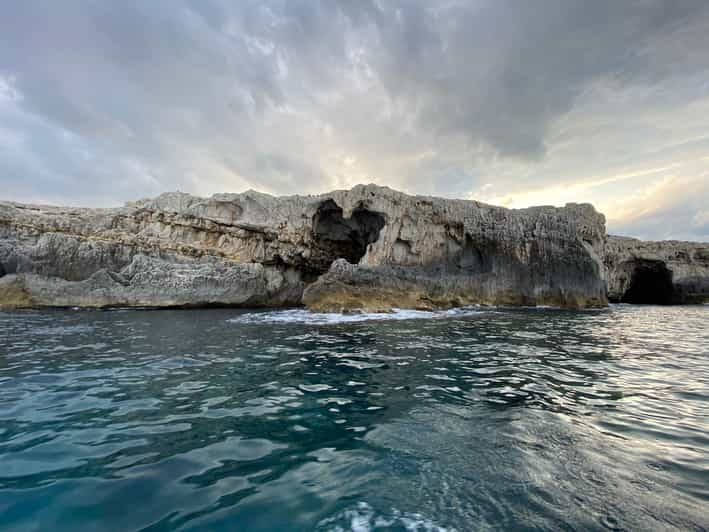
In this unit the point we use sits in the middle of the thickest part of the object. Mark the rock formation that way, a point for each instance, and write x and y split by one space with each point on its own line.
667 272
369 248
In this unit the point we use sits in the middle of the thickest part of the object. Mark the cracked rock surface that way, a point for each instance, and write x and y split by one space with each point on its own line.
369 248
665 272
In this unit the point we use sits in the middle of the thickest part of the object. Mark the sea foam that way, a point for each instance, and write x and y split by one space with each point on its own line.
326 318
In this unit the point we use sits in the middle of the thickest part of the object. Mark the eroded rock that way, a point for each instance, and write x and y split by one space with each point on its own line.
663 273
366 248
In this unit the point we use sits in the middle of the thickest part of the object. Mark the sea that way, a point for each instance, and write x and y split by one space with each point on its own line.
260 420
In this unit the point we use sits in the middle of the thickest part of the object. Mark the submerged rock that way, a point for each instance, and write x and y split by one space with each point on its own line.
366 248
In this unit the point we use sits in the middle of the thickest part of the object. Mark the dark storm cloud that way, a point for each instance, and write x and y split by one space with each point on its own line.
500 71
295 95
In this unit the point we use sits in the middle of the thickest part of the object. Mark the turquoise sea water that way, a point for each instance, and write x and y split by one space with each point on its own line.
275 421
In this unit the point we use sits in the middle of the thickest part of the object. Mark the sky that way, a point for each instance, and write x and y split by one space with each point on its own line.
514 103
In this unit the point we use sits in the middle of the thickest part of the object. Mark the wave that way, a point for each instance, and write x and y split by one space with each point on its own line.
363 518
326 318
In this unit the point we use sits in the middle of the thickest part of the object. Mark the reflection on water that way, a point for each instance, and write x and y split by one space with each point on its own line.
472 419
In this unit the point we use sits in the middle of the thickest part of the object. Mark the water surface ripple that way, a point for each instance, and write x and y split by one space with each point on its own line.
466 420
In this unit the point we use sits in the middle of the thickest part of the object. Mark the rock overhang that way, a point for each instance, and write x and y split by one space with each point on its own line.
257 249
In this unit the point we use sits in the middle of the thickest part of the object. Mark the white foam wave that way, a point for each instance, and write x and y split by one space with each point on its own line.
326 318
363 518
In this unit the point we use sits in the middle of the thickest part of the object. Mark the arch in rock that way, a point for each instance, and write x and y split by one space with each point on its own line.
338 237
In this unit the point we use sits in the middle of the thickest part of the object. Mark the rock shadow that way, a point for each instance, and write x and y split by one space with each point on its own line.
337 237
650 283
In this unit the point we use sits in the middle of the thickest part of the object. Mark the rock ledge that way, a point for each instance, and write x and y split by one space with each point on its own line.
369 248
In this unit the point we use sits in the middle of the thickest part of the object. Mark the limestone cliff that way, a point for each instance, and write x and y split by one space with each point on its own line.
253 249
667 272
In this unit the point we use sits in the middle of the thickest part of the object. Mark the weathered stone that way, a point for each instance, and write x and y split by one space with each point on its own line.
253 249
667 272
13 293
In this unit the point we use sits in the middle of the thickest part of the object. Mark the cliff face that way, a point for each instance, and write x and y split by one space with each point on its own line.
439 253
667 272
253 249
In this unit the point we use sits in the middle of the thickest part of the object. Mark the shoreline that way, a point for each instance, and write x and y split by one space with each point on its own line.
369 248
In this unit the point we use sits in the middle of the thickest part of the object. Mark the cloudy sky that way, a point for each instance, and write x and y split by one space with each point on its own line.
510 102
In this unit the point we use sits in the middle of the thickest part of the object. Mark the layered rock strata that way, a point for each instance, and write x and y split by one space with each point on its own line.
368 248
365 248
666 272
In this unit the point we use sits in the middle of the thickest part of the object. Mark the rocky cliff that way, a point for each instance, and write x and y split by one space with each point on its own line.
667 272
365 248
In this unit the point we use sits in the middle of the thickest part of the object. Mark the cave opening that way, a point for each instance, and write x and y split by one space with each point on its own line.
339 237
650 284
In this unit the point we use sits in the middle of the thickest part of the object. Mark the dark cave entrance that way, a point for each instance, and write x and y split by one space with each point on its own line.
650 284
339 237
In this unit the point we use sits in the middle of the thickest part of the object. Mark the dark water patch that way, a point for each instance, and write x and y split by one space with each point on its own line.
252 420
